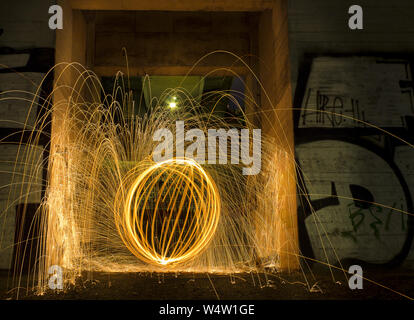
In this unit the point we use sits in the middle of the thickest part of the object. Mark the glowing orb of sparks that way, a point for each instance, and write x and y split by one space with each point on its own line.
167 212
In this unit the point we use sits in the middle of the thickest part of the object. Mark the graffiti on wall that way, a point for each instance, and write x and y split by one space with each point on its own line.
354 194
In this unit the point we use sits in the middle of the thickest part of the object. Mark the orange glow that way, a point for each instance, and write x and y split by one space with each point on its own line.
184 215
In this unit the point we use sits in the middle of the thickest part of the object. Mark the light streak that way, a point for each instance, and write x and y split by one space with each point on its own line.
184 216
101 210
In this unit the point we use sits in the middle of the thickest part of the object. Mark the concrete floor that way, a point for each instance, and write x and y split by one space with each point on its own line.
262 286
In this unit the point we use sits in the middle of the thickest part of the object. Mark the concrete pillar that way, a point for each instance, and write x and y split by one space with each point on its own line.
277 122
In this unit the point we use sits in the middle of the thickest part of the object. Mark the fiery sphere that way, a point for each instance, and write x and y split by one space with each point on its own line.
167 212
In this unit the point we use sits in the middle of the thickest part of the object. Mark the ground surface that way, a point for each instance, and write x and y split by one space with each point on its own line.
263 286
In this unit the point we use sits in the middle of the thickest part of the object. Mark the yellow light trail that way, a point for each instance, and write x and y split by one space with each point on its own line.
167 213
105 204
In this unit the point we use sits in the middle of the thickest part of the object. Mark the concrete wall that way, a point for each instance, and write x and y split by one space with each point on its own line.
170 38
15 182
320 27
25 26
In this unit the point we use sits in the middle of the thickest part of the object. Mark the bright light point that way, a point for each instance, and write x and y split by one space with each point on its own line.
172 105
174 98
163 262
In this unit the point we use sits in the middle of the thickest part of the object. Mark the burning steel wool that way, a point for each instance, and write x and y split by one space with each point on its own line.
108 206
122 196
182 219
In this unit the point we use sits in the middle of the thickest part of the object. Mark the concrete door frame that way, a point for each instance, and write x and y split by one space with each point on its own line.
274 77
